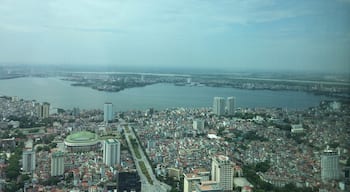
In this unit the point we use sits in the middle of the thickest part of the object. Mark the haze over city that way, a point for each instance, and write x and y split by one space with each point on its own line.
230 35
175 96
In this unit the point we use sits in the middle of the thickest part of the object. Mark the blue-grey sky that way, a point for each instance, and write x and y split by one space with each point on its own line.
224 34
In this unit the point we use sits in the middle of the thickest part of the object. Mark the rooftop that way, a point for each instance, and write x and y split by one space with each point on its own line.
81 137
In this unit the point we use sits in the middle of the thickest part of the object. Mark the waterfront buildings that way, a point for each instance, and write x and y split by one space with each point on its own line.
43 110
111 152
57 163
28 161
222 172
108 112
219 106
230 105
330 165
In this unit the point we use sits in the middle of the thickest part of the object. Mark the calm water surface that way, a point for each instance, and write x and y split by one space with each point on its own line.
159 96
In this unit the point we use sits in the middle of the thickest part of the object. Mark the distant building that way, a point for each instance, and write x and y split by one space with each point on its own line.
8 143
198 125
108 112
28 161
57 163
43 110
230 105
111 152
129 181
330 165
222 172
219 106
297 128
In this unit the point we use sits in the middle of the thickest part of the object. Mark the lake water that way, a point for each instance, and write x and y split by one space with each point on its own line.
159 96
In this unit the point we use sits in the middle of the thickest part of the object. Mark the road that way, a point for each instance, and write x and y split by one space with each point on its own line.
157 185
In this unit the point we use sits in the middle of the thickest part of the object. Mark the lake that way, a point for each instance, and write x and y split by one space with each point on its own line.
60 94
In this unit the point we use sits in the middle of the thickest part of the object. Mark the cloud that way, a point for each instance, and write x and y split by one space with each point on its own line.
171 32
107 15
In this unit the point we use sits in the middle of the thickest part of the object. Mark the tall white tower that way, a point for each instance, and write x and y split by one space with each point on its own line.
222 172
329 165
108 112
219 106
28 161
57 163
111 152
230 105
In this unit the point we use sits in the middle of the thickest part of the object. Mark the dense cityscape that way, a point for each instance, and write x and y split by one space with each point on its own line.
221 148
174 96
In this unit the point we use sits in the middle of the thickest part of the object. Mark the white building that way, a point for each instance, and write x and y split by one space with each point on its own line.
57 163
222 172
28 161
108 112
190 181
297 128
230 105
330 165
219 106
111 152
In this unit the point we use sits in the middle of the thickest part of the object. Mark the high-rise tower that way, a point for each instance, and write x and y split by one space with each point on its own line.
230 105
222 172
43 110
219 106
108 112
28 161
57 163
329 165
111 152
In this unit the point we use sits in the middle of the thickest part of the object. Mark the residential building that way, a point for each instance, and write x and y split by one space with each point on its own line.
198 125
190 181
330 165
219 106
111 152
230 105
108 112
57 163
43 110
28 161
222 172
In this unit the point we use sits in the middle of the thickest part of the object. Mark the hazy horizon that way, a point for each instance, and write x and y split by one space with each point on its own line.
251 35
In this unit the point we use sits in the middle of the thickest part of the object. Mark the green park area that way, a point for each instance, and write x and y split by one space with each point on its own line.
145 172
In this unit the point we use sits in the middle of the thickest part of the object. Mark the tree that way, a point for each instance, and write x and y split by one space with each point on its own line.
262 166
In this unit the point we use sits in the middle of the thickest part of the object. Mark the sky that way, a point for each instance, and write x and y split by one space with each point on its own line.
269 35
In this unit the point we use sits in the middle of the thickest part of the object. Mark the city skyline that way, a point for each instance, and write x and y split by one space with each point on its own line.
232 35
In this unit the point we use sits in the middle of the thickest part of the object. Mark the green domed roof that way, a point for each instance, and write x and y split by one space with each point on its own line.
81 137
